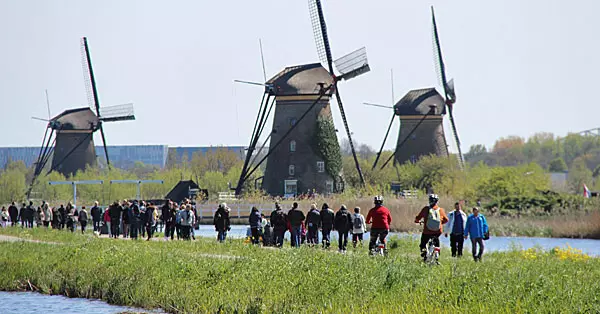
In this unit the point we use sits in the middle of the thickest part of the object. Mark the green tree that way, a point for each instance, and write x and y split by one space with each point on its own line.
557 165
579 175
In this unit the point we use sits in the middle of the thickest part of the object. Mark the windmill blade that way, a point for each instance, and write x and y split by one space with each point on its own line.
353 64
86 74
118 113
104 144
48 105
262 59
451 92
456 138
377 105
438 59
324 51
320 32
251 83
384 139
41 119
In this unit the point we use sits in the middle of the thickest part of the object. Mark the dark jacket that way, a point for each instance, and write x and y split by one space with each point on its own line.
150 220
296 217
63 214
114 211
165 213
313 219
327 218
343 220
278 219
126 214
221 219
255 219
56 217
83 216
96 213
13 212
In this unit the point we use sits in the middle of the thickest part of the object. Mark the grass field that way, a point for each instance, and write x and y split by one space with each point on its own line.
204 276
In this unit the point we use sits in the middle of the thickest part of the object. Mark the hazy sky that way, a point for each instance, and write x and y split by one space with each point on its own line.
520 67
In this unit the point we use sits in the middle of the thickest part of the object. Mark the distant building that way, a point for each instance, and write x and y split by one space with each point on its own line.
181 153
28 155
123 157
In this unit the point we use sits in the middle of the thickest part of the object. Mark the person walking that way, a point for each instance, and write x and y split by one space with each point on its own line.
56 218
327 217
221 222
150 220
71 220
477 228
4 217
63 216
142 220
313 221
106 219
165 217
13 212
296 218
39 217
172 222
83 219
343 224
134 220
126 217
279 222
187 220
96 213
267 231
31 213
359 227
23 213
47 214
115 212
457 220
255 222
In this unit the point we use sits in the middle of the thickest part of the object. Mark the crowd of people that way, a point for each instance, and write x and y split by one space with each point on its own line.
138 219
304 229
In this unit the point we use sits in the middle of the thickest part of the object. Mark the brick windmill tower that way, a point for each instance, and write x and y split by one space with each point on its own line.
304 153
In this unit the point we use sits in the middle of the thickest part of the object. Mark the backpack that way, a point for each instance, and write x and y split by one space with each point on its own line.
357 222
434 219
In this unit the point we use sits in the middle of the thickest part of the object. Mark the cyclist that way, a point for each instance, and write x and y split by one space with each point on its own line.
380 219
434 217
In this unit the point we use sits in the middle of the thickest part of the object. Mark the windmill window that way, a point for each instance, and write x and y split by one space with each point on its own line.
292 146
293 121
320 166
291 170
413 137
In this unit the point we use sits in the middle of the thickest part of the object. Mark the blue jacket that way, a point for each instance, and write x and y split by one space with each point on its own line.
476 226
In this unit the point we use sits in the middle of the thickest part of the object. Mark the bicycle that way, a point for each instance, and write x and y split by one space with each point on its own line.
433 253
379 249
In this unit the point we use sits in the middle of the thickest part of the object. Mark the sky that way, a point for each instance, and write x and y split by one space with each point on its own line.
520 67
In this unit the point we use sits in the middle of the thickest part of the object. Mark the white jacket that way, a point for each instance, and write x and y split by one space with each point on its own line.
448 227
363 229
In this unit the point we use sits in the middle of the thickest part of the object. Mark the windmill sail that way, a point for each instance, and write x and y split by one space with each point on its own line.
324 52
447 86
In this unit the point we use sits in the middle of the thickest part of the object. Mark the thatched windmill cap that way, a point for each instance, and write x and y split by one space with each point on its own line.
300 80
419 102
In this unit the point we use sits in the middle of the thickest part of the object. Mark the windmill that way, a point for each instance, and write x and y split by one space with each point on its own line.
421 113
300 95
447 86
68 138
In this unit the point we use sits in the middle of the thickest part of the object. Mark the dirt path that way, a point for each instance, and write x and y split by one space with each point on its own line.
5 238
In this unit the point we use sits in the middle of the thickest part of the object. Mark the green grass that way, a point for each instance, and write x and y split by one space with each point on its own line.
204 276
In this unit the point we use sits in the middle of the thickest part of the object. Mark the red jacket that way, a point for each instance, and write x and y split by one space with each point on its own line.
380 217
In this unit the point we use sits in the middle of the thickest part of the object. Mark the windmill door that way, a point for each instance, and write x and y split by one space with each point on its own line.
290 188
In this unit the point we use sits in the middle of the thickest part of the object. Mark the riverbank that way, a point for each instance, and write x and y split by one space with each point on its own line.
183 277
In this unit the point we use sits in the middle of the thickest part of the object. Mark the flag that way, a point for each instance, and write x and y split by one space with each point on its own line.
586 191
